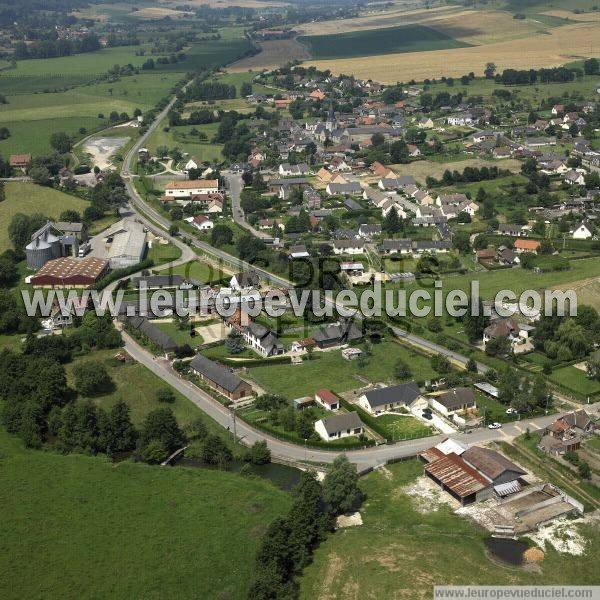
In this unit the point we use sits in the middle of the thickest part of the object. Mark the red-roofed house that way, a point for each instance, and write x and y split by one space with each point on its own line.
327 399
522 245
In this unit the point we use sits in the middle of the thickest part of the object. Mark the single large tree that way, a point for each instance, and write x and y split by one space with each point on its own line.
340 486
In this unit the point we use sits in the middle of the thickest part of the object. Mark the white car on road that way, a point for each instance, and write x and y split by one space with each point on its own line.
494 425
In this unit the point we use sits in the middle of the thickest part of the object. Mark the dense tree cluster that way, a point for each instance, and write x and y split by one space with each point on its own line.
289 542
57 47
563 339
208 90
531 76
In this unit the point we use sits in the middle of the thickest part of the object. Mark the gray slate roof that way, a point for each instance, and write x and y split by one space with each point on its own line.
335 423
456 398
216 373
405 393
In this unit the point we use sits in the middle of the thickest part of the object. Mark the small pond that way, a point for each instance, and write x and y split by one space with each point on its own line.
507 551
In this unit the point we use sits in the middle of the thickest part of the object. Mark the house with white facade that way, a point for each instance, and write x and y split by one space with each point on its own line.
339 426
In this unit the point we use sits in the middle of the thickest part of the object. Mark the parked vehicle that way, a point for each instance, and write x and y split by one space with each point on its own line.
494 425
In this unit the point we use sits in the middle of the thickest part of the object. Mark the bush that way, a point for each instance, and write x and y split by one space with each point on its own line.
91 378
165 395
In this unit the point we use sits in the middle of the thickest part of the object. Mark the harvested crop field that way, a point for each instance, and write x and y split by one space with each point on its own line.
392 18
274 53
369 42
567 14
486 27
587 291
559 45
424 168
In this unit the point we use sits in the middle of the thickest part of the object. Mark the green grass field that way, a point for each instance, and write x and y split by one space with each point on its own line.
164 253
182 138
181 336
32 118
370 42
401 427
137 386
198 270
81 527
330 370
400 552
29 198
576 380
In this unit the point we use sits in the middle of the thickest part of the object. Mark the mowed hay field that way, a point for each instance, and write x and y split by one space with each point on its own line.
81 527
587 291
29 198
554 48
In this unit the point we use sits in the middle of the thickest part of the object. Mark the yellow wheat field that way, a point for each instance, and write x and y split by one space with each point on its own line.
558 46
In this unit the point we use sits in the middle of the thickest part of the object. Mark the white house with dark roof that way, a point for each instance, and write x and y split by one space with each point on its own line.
339 426
583 231
453 401
381 400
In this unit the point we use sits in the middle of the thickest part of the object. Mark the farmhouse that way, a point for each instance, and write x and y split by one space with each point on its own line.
327 399
244 280
220 378
381 400
527 246
19 161
339 426
348 247
453 401
157 336
262 340
337 334
189 188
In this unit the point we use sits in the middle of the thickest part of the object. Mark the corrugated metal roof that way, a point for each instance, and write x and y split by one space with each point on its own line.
457 475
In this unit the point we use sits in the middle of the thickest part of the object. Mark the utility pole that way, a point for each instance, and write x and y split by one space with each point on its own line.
234 426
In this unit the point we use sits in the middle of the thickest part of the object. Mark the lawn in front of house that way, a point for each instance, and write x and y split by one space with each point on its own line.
330 370
402 427
402 552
